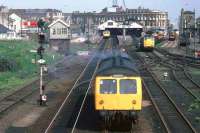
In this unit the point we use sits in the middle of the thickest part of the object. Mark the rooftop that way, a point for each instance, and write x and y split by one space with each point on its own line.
31 13
3 29
189 12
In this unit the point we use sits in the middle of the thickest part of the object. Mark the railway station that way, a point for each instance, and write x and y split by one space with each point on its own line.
132 67
126 29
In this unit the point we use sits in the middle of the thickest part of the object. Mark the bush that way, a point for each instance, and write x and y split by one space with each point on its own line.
16 66
7 64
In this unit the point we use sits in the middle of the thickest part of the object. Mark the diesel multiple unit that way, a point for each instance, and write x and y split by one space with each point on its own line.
118 88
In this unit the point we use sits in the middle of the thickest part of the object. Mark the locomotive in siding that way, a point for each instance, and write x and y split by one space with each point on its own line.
147 42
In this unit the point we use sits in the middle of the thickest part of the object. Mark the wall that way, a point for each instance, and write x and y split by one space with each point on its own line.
152 19
16 25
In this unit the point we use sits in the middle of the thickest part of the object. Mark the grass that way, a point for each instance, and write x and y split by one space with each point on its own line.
24 71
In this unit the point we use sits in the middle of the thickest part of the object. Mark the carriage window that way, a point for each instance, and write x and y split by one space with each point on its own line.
128 86
108 86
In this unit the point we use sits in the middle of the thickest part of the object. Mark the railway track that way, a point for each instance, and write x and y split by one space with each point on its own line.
176 68
21 94
157 110
87 112
17 96
181 75
67 116
89 120
87 94
180 59
170 113
77 113
187 83
182 89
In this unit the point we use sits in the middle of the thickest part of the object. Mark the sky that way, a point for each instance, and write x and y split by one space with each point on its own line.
172 6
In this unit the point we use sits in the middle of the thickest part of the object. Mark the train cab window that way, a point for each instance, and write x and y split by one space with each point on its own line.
128 86
147 37
108 86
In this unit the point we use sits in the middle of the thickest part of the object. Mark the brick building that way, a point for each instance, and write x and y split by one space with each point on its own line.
146 17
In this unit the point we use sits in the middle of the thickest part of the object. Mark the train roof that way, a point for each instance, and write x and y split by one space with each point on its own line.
118 63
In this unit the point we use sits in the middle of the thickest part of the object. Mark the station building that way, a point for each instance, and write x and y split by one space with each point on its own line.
187 21
145 17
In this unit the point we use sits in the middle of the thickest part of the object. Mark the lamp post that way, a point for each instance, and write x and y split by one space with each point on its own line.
194 34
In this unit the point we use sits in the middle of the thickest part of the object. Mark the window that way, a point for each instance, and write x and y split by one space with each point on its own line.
64 31
110 23
128 86
147 36
54 31
59 31
108 86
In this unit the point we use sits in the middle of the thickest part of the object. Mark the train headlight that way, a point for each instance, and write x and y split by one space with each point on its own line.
101 102
134 102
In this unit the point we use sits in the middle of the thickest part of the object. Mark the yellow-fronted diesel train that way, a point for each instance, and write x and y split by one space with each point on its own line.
106 34
147 42
118 89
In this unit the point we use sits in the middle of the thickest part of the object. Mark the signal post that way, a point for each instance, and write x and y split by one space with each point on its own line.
41 39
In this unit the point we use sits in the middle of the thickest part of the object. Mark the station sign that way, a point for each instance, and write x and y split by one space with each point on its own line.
30 24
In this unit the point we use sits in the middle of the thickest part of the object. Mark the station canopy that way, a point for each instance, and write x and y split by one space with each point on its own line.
110 24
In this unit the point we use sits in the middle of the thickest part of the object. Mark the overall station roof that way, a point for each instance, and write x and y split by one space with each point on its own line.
117 25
